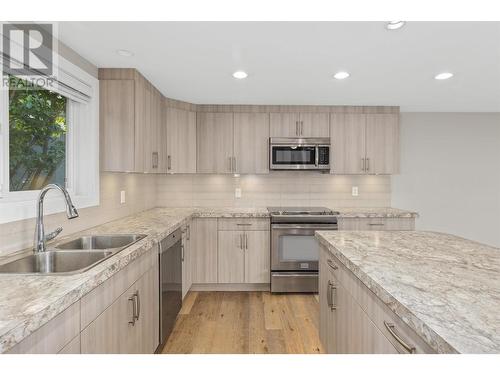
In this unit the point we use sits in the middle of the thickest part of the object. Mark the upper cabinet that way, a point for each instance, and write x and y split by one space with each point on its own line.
251 142
299 125
232 143
214 138
364 143
181 140
130 121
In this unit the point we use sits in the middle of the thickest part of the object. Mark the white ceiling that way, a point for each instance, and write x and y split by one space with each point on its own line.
293 62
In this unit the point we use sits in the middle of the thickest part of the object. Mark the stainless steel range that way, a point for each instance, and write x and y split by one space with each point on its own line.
294 250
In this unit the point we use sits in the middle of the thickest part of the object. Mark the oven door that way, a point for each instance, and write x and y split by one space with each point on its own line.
293 157
294 247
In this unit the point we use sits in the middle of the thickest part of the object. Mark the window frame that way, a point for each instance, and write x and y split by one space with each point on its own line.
82 150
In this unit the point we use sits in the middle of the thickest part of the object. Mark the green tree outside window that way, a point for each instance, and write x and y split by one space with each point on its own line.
37 136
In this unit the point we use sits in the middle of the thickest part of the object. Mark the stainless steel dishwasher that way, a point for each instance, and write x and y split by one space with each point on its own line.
170 258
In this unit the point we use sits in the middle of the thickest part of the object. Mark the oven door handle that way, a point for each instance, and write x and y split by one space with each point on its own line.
305 226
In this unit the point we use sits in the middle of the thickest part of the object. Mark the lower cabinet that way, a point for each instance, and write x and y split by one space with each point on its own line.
128 325
203 248
353 320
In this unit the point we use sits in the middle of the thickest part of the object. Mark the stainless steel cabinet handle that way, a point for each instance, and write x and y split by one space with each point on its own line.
328 294
155 160
188 232
362 164
243 224
241 241
302 128
246 241
169 162
376 224
296 128
390 327
134 309
182 253
331 288
367 164
138 300
331 264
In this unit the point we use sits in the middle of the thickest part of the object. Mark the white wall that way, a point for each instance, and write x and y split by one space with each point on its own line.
450 173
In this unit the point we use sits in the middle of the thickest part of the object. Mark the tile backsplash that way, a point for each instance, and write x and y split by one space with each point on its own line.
140 195
275 189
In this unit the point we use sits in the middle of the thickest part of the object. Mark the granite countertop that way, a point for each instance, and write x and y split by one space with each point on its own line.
375 212
444 287
29 301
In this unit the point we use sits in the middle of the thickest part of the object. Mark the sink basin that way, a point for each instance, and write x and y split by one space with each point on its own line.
56 262
101 242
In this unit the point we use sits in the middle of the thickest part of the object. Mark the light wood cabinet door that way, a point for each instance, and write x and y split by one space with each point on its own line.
186 260
257 256
314 125
284 125
117 99
327 316
251 142
181 140
382 143
151 130
214 139
231 257
348 143
204 250
146 325
114 330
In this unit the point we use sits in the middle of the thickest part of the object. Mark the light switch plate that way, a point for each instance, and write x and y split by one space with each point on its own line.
122 196
355 191
237 193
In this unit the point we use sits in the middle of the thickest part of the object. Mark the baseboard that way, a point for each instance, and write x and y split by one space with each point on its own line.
231 287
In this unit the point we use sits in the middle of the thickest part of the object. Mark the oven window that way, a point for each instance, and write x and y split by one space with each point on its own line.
283 155
296 248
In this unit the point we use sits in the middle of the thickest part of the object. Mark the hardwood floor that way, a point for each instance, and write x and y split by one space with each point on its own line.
246 322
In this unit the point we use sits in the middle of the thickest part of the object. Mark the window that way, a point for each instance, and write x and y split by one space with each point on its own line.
37 136
48 135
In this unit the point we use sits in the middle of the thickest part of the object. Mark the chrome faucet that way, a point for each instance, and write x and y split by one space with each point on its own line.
40 236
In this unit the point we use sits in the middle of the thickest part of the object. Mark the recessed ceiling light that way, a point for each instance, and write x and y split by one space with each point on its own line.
124 52
394 25
445 75
240 74
341 75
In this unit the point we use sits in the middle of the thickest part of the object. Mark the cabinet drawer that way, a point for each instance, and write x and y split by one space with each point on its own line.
384 319
390 223
243 224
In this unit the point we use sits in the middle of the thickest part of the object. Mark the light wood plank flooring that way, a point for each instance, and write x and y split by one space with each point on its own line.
246 322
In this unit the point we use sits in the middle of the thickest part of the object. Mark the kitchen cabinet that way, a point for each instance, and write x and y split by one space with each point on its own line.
251 142
186 259
364 143
128 325
299 125
130 121
359 321
214 139
180 127
243 251
390 223
203 249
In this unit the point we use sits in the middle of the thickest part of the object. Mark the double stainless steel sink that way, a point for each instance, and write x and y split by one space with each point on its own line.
72 257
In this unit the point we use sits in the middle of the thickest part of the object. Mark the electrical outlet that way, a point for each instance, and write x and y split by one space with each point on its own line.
122 196
237 193
355 191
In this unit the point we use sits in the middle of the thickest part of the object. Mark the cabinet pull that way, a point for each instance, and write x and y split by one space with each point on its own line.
246 241
138 297
296 128
302 128
169 162
391 328
367 164
241 241
333 288
182 253
376 224
134 309
331 264
243 224
155 160
188 232
363 164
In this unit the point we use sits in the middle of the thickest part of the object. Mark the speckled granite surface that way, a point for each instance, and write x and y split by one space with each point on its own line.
445 287
29 301
377 212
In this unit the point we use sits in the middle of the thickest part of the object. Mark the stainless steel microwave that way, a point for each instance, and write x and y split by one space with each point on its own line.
299 153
